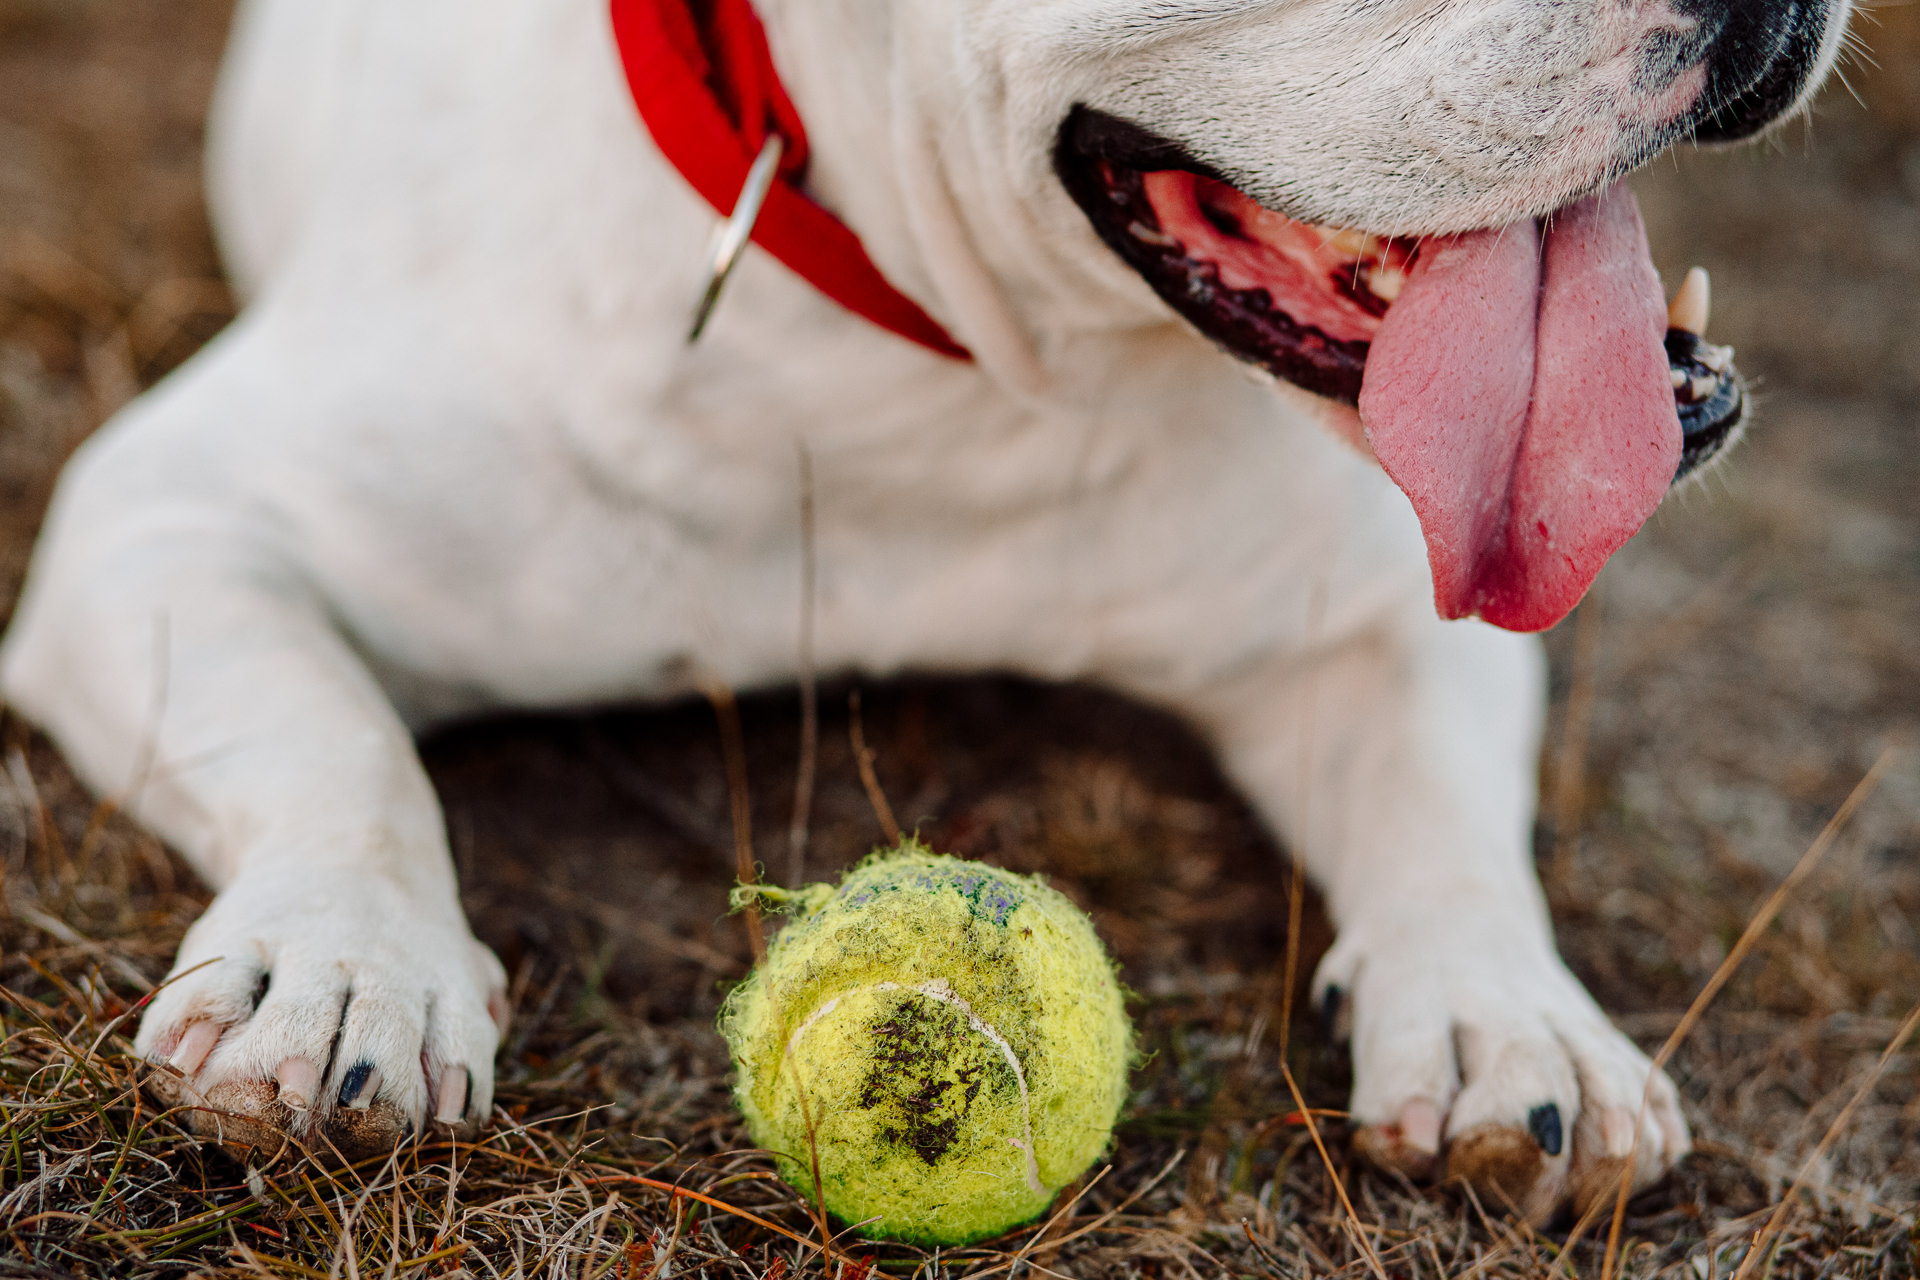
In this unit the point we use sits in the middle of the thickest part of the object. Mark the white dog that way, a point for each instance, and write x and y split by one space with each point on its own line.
459 456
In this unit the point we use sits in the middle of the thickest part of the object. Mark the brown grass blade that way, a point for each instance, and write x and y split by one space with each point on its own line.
1748 938
1767 1233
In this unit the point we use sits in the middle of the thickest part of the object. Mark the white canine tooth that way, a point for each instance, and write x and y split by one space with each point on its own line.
1141 231
1680 378
1703 386
1692 303
1356 243
1386 282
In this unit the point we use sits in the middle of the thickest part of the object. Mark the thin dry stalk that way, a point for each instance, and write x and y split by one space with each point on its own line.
1570 768
798 829
1339 1185
1099 1223
678 1192
1564 1260
1767 1233
1748 938
813 1153
863 756
1054 1218
1296 881
733 745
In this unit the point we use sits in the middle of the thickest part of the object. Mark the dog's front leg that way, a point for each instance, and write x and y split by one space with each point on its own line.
176 652
1400 765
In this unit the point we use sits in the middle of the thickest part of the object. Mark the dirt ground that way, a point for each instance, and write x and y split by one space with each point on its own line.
1743 664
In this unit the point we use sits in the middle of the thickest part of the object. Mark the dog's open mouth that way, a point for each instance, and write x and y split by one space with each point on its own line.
1520 384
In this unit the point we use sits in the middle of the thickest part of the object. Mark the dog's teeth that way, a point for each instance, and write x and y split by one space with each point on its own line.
1386 282
1718 359
1702 385
1141 231
1357 244
1691 304
1680 379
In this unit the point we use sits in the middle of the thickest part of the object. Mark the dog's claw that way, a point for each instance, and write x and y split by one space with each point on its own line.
361 1083
1333 1003
1409 1146
1543 1122
1496 1070
299 1083
194 1046
1616 1131
452 1095
1420 1126
387 1002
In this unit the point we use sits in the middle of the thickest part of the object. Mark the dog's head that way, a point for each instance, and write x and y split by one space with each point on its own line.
1403 206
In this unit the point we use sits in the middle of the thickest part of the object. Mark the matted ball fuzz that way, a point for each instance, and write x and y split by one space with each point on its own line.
951 1034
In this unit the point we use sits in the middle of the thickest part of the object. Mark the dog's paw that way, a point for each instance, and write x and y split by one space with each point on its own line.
1478 1057
331 1010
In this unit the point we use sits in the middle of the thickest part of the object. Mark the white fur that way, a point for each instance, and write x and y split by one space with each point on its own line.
455 457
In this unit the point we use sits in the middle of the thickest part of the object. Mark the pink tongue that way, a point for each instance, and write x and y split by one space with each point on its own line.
1518 392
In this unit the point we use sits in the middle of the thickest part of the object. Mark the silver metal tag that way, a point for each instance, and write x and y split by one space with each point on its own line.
731 236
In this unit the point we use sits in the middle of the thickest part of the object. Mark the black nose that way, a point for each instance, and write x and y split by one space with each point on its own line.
1761 55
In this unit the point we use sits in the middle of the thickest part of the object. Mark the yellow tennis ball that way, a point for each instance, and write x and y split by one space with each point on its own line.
943 1038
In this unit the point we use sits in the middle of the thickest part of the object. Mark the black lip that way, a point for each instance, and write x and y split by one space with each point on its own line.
1709 422
1100 160
1090 134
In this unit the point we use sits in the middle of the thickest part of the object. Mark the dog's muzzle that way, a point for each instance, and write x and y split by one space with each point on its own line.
1104 163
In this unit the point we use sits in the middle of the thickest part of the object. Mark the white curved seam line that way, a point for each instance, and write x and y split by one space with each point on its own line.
939 990
793 1040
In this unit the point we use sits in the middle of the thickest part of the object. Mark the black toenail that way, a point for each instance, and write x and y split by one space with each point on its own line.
1544 1123
260 986
1330 1001
357 1080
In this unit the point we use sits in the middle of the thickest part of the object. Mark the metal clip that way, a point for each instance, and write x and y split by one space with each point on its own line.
732 235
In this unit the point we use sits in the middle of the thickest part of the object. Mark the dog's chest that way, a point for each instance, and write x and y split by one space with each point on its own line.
634 547
588 510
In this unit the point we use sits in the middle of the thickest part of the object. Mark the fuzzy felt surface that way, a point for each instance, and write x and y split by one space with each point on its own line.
943 1040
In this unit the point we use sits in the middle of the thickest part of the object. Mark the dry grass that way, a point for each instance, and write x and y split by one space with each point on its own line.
1757 652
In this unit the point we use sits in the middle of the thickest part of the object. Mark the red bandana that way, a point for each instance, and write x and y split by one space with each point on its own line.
705 84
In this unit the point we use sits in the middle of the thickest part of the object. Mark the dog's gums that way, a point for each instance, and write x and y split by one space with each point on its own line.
1710 395
1317 339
